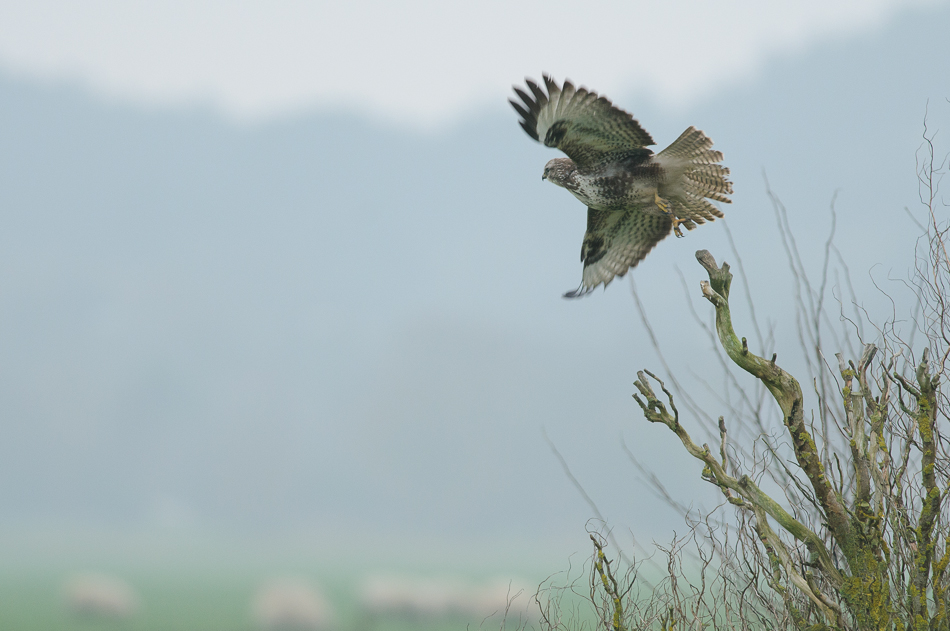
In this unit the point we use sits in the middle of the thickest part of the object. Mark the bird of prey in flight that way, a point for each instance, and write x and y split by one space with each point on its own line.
634 197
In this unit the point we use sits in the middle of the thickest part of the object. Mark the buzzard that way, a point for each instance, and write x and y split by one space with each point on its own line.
634 197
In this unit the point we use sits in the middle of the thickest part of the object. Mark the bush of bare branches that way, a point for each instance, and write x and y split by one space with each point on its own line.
834 517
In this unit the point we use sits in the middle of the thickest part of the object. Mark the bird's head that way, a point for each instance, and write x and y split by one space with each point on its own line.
559 171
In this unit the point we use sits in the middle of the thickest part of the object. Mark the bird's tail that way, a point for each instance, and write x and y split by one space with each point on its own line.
696 177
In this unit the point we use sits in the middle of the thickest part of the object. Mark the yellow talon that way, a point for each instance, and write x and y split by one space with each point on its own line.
662 204
676 226
667 208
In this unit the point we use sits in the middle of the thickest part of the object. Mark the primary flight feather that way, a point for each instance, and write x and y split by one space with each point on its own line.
634 197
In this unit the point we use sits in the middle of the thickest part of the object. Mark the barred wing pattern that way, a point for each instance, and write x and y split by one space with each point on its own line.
610 167
587 127
616 241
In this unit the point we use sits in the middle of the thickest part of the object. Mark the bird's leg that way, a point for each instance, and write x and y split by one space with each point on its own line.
676 226
667 209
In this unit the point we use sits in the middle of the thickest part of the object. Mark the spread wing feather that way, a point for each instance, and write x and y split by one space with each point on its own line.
587 127
615 242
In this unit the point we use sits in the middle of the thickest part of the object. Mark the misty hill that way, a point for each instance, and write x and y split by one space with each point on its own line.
322 321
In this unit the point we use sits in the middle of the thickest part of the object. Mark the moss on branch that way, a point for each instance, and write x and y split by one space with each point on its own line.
783 387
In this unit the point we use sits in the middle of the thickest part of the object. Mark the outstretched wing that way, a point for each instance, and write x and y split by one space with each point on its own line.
617 240
582 124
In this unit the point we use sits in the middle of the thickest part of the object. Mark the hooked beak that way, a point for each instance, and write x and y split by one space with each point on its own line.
544 176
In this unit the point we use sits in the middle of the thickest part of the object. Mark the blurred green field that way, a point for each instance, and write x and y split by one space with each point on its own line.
197 590
194 603
37 602
208 583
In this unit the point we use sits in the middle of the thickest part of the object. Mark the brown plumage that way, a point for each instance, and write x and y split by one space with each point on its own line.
634 198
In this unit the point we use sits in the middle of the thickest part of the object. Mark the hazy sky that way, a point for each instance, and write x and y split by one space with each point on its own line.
207 325
412 61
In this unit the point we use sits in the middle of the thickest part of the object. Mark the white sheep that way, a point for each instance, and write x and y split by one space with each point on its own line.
291 604
418 599
499 598
100 597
